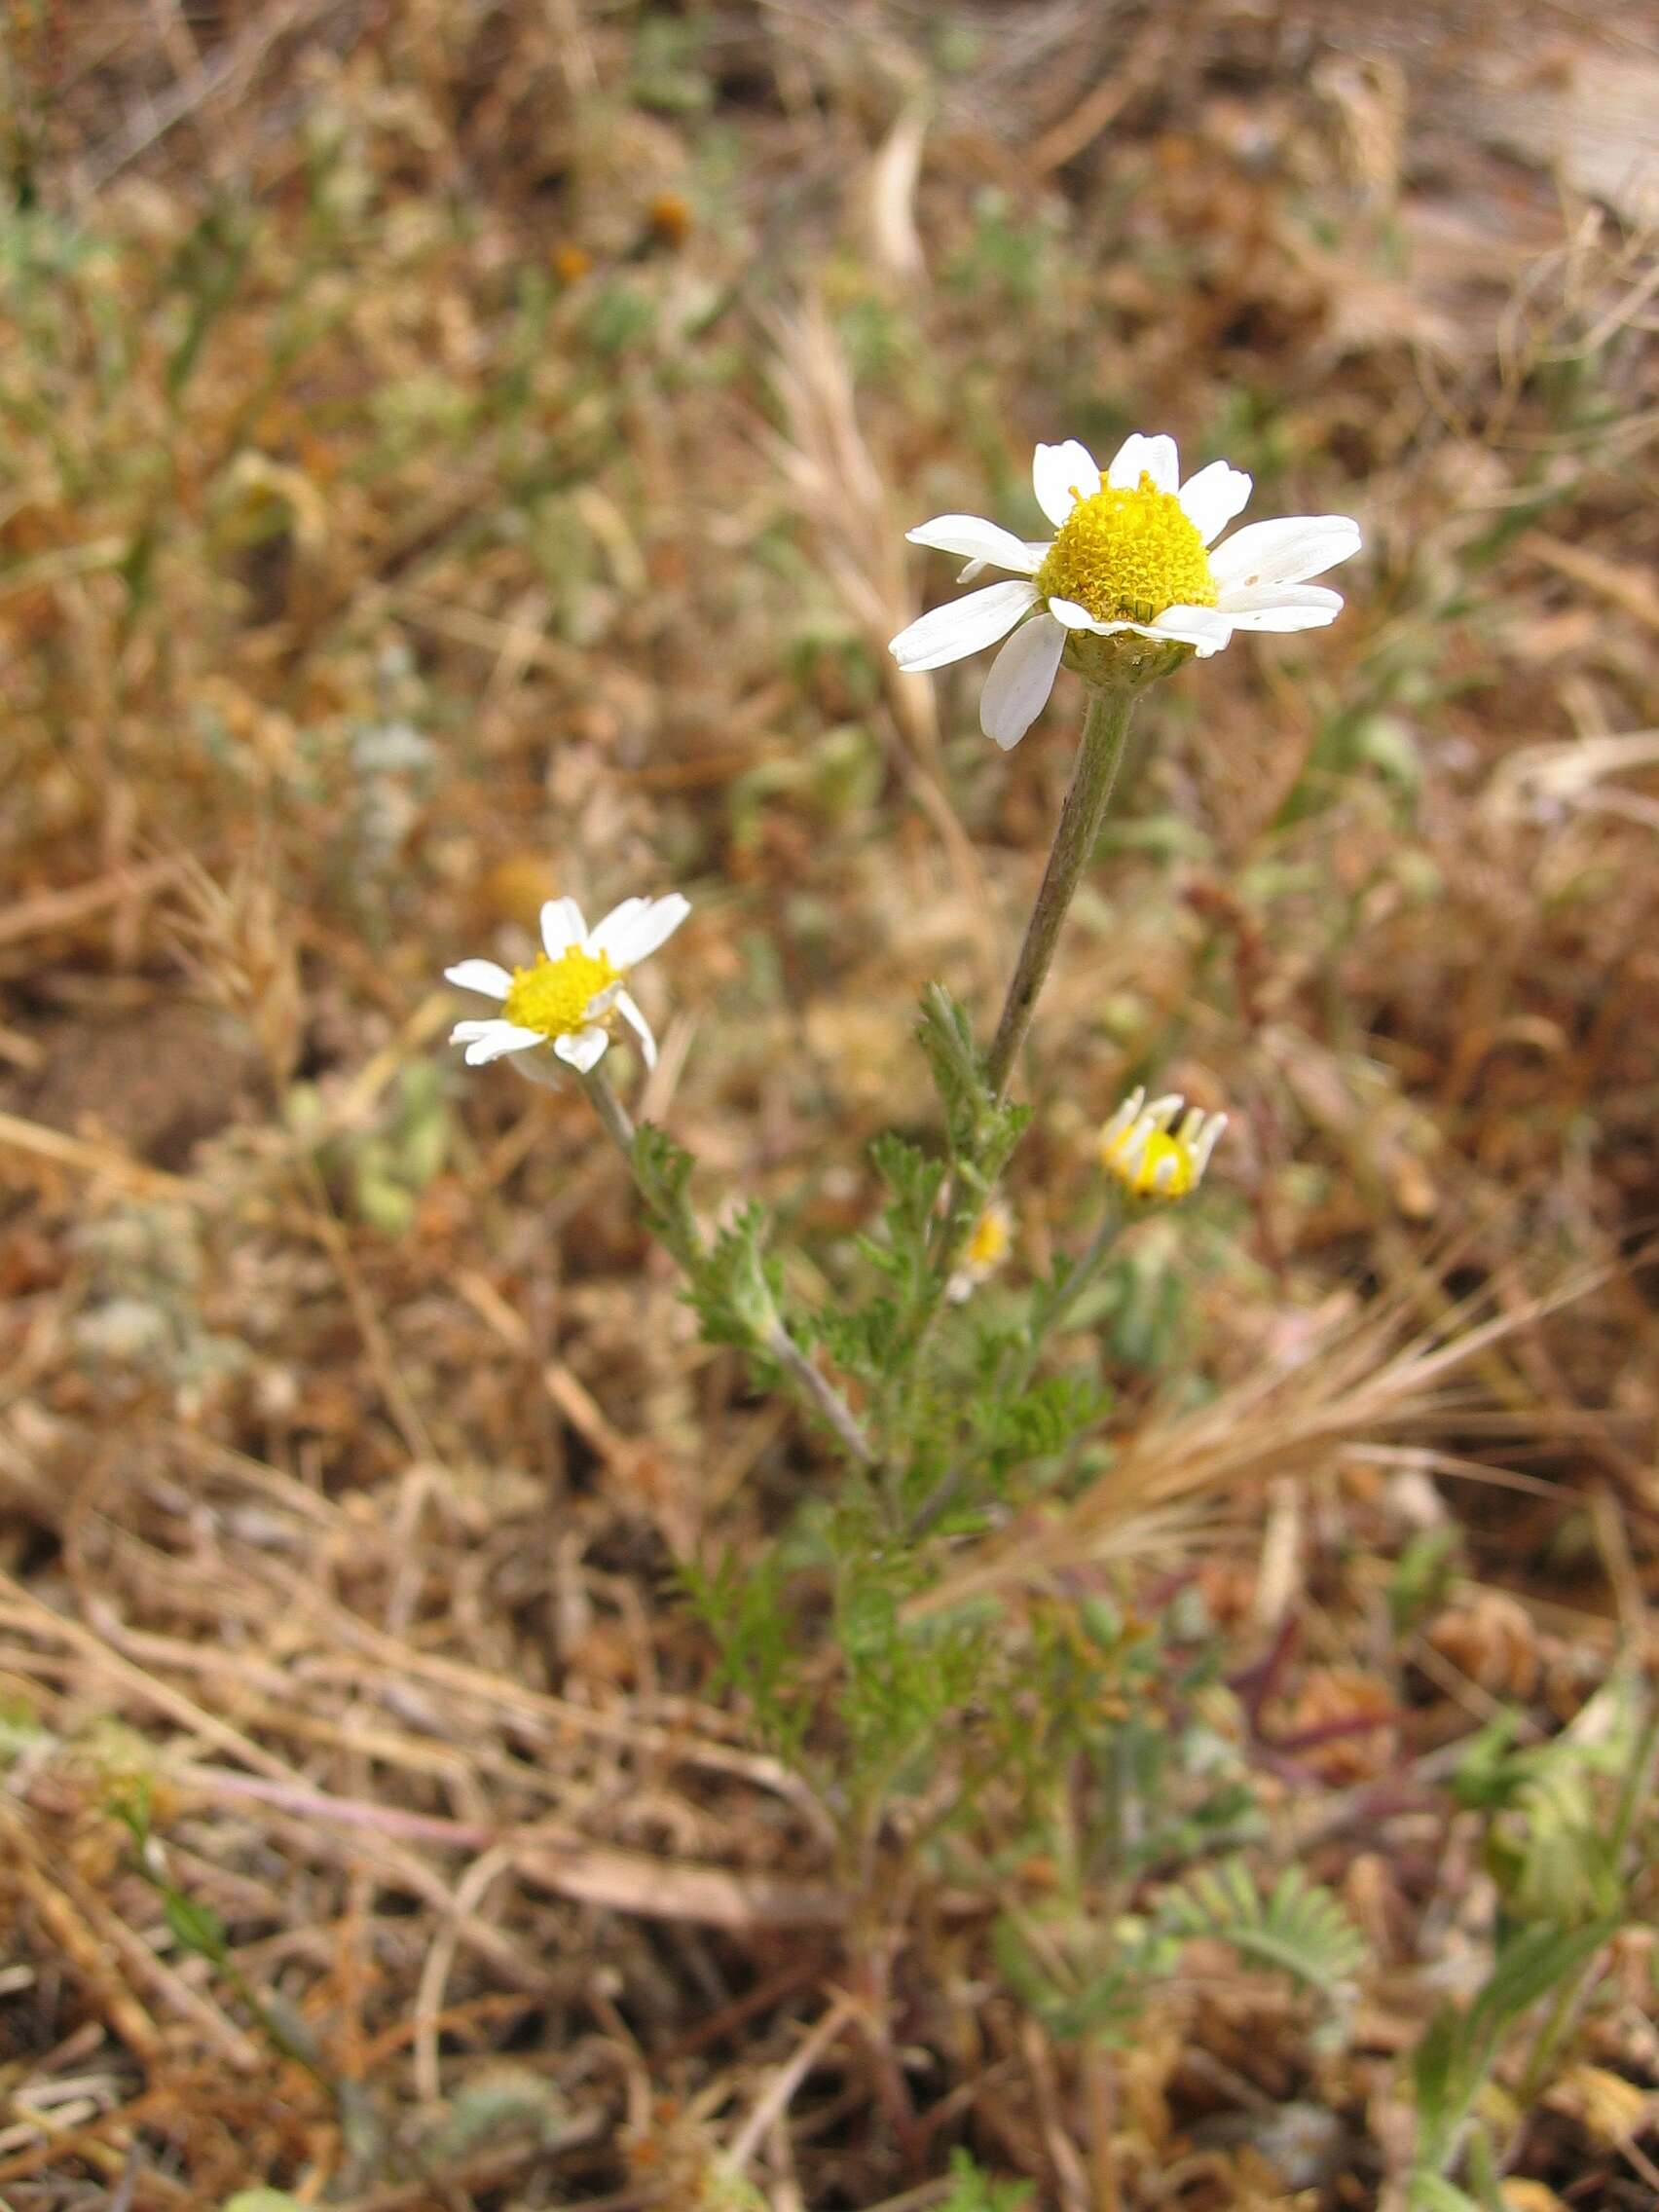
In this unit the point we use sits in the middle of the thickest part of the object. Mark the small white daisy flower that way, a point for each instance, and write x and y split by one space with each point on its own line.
1133 553
567 996
1152 1157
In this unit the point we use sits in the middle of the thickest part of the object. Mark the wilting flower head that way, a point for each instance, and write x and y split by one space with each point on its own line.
576 982
1152 1157
1131 558
984 1252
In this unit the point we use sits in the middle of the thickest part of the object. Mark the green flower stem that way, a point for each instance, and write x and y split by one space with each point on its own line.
1052 1309
812 1384
1105 729
1099 756
937 1502
615 1117
685 1241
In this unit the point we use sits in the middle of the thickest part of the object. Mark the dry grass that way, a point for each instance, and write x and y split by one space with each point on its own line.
455 455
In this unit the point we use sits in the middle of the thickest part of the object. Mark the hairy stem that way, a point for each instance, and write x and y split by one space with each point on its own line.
812 1383
686 1245
1099 755
617 1122
1105 727
1050 1310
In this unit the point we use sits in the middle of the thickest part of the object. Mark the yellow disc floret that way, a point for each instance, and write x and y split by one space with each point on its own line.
1156 1150
1125 556
554 995
987 1247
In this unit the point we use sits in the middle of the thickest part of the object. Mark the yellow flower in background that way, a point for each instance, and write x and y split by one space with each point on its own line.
1152 1153
566 997
1134 551
986 1250
670 218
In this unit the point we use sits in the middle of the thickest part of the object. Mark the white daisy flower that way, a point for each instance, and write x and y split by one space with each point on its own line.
1134 552
1151 1153
567 996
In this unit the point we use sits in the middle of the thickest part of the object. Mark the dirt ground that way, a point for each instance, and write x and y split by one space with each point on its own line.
459 454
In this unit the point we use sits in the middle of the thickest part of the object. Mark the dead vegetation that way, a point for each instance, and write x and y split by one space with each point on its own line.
459 454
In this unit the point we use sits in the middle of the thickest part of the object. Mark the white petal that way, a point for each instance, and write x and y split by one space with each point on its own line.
1061 475
1127 1114
539 1069
1139 456
638 927
1283 607
962 627
641 1027
977 541
1206 628
584 1051
1037 551
607 934
487 976
1022 676
1284 552
1067 612
1211 498
488 1040
562 926
1202 627
1206 1143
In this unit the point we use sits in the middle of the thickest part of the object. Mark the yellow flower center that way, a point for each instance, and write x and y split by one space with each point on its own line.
1125 556
554 995
989 1244
1143 1182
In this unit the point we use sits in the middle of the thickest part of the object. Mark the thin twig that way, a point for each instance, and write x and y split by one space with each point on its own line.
1102 2088
222 72
775 2098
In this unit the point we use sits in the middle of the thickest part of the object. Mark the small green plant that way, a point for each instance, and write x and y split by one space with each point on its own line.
195 1926
1089 1980
668 70
383 1170
972 2191
1138 1706
1567 1875
1297 1927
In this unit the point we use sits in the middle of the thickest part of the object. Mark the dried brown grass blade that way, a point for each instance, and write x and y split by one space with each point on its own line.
842 495
664 1889
1363 1380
